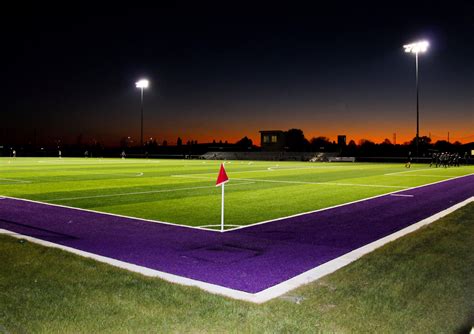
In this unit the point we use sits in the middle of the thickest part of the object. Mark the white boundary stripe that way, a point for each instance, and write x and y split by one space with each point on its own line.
344 204
140 192
344 260
109 214
139 269
267 294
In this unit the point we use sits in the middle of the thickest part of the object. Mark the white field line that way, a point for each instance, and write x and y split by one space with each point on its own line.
110 214
267 294
15 180
343 204
302 182
424 175
402 195
409 171
278 168
140 192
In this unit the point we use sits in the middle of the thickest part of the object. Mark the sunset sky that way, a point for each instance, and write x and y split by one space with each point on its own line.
227 72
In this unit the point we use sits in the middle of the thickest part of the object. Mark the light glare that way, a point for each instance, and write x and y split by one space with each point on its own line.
417 47
143 83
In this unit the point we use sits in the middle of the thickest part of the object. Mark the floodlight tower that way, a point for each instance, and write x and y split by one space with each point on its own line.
417 47
142 84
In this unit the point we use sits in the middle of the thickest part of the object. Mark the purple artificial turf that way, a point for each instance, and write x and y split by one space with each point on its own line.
250 259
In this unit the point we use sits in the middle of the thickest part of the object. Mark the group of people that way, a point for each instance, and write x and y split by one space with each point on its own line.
443 159
446 159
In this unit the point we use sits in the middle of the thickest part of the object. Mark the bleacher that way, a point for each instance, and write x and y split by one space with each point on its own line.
269 156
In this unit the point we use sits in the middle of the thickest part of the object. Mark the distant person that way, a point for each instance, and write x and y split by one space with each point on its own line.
86 154
14 154
408 164
123 155
433 159
59 153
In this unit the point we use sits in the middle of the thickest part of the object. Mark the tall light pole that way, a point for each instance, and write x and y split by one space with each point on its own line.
416 48
142 84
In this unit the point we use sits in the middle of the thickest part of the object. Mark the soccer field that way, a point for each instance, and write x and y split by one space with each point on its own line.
183 191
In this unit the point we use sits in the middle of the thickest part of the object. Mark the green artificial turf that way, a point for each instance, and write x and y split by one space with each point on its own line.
421 283
183 191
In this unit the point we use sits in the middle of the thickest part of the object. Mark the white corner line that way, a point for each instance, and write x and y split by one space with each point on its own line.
267 294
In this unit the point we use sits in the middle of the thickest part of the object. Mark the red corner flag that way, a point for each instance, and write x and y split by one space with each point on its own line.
222 178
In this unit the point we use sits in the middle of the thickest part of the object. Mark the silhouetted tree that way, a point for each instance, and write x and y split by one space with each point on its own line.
351 149
320 143
295 140
443 145
244 142
367 147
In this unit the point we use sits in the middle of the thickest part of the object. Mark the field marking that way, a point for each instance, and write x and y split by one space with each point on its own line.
402 195
140 192
269 293
424 175
237 228
409 171
110 214
15 180
343 204
301 182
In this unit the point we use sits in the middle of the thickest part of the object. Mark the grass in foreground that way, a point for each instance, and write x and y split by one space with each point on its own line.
184 192
421 283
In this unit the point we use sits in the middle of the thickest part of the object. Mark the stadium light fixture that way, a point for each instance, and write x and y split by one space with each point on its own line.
142 84
416 48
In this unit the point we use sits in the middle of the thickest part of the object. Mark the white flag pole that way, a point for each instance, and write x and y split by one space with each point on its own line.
222 209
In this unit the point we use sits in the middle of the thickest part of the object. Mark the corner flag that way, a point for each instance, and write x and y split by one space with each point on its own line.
222 178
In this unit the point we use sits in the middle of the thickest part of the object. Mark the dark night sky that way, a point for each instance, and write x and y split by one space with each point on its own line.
229 71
